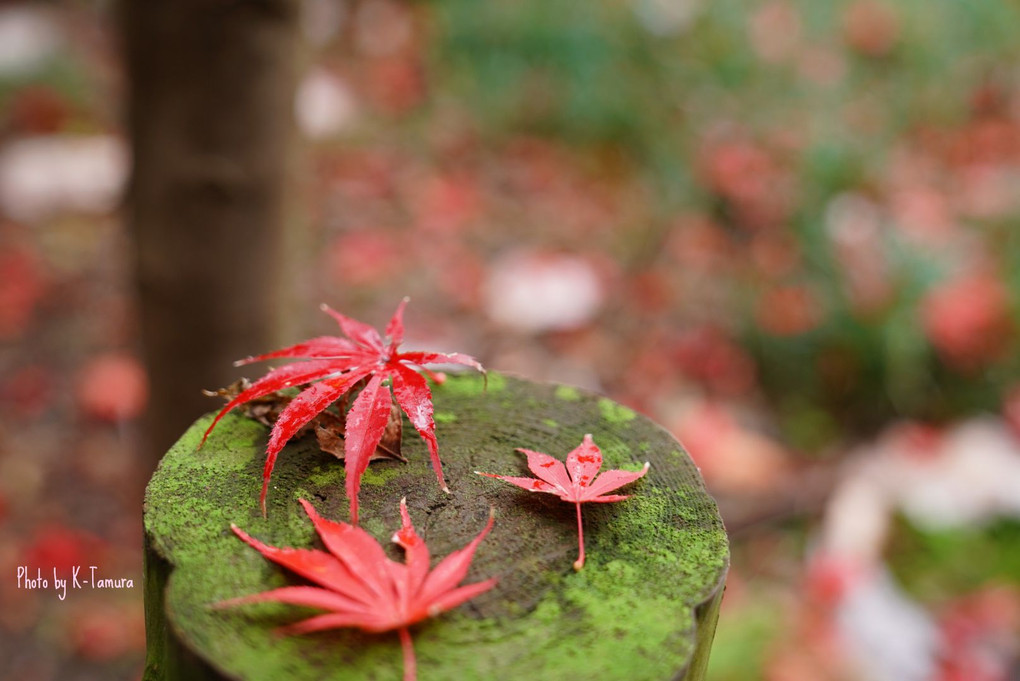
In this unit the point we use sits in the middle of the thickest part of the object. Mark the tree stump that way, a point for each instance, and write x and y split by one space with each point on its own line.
643 608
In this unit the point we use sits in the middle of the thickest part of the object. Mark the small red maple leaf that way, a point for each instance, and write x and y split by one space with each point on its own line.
361 587
577 482
338 364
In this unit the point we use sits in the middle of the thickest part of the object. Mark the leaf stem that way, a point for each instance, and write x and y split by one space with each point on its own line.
410 666
579 563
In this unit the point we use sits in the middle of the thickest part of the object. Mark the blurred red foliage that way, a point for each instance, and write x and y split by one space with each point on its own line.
364 257
37 110
58 546
967 319
112 387
871 28
979 633
22 286
709 356
788 310
28 391
105 631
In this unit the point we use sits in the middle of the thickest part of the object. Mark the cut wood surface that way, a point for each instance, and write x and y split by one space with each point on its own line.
643 608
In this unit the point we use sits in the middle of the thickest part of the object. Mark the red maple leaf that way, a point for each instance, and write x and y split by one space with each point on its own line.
338 364
361 587
577 482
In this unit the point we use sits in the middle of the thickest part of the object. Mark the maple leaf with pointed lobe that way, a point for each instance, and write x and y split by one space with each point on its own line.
578 482
361 587
335 366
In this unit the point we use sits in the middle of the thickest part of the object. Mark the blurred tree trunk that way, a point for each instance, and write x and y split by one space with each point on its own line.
210 99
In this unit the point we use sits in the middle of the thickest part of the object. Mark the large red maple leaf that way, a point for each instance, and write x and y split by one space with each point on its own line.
578 482
361 587
338 364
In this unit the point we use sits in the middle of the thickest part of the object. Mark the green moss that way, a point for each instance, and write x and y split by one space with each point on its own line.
615 413
327 474
615 452
567 393
472 384
551 423
445 417
381 472
548 611
233 438
682 543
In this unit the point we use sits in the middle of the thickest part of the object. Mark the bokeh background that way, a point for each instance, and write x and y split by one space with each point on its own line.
789 231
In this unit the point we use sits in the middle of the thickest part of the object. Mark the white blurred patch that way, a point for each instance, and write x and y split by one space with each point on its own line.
856 521
28 37
973 478
42 176
888 636
962 476
538 292
667 17
852 220
966 475
323 105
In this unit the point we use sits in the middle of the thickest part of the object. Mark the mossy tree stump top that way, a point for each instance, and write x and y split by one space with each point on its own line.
638 610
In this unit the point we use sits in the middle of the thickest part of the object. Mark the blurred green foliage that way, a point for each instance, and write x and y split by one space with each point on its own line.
835 97
934 563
